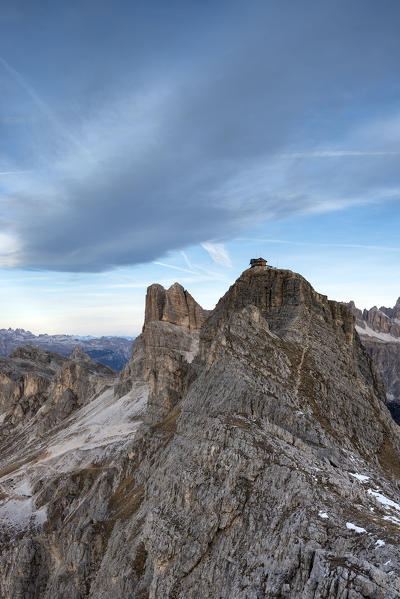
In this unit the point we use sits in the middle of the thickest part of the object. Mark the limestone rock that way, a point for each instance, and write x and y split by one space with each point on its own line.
169 341
160 358
74 384
174 305
379 331
261 489
392 312
25 376
266 465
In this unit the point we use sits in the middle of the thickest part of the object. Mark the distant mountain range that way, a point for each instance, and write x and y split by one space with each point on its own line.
111 351
379 330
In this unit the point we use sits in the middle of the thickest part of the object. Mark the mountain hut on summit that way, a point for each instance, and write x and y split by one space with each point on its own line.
258 262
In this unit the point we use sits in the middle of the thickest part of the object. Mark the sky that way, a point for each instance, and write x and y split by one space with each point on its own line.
158 141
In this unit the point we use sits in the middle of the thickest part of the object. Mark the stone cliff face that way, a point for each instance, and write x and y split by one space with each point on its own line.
393 312
25 377
43 387
174 305
169 341
379 331
253 458
381 321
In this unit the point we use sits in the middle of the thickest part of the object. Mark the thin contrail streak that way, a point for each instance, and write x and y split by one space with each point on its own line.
192 272
14 172
336 154
336 245
190 265
43 107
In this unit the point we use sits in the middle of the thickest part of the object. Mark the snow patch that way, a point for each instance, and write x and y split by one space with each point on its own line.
18 511
323 515
386 337
361 477
380 543
392 519
384 500
194 350
20 514
351 526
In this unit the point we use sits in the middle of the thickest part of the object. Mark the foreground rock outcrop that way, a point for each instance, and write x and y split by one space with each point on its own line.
247 455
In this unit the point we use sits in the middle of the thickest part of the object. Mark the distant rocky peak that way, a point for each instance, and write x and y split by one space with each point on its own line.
79 354
384 323
174 305
379 331
36 355
396 310
80 362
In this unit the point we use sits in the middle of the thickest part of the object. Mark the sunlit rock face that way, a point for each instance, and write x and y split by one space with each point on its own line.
174 305
169 341
25 377
379 331
250 456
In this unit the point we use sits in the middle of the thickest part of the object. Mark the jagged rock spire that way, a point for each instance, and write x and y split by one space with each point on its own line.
174 305
79 354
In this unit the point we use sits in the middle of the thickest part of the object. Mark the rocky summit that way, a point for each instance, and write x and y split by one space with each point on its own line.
245 453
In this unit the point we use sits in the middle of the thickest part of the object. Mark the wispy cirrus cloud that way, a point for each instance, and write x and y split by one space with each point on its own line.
5 173
362 246
218 253
158 154
338 154
42 106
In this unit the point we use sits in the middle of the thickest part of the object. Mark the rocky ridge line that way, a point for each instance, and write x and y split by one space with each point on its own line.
111 351
266 465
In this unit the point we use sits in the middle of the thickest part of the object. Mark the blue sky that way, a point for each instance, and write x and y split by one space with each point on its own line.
144 142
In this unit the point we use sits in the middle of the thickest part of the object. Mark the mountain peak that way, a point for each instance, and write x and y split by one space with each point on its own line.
239 470
79 354
174 305
286 300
